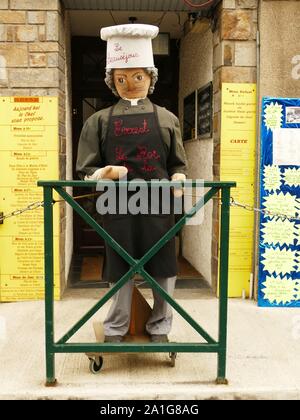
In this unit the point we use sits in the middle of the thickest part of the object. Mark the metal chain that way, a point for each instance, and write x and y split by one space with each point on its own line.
38 204
32 206
233 203
247 207
79 197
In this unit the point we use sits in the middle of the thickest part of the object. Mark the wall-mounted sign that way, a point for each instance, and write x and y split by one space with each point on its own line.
204 111
238 139
29 150
279 259
197 114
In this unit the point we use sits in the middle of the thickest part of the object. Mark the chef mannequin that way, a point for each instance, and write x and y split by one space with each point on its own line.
137 140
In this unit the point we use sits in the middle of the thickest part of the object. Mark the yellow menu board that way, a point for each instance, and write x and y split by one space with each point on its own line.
29 151
238 139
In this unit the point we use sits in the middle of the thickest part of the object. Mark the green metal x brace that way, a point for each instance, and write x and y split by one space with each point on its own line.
137 266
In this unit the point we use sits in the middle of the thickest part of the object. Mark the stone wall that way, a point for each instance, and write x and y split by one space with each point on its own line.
280 48
234 61
32 63
196 53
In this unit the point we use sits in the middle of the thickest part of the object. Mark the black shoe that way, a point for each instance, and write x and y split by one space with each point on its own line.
113 339
159 338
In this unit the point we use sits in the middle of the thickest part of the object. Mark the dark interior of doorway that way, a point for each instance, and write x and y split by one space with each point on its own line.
90 94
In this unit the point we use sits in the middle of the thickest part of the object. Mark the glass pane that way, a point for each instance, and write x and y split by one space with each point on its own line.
89 107
93 67
92 105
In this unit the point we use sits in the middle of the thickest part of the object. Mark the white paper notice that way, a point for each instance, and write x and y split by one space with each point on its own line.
286 146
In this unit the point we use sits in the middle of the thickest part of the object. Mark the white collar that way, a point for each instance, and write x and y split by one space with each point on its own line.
134 102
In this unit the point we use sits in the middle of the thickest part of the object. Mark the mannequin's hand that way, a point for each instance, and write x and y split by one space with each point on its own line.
108 172
113 172
178 192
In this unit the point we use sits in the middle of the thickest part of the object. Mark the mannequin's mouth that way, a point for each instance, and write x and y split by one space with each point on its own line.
135 91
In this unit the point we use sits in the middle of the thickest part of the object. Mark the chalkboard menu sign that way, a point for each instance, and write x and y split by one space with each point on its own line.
204 111
189 128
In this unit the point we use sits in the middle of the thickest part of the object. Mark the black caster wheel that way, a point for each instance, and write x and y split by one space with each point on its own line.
96 364
173 359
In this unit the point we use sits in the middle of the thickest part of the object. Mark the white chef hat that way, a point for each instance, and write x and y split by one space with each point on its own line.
129 46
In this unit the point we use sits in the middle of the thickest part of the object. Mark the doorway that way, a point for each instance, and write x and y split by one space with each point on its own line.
90 94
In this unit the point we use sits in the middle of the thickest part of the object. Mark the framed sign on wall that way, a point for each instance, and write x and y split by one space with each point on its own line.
198 113
204 111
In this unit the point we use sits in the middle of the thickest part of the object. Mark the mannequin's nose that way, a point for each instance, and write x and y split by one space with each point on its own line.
130 85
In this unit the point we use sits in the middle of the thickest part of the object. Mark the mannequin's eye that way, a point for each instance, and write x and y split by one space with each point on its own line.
139 78
121 80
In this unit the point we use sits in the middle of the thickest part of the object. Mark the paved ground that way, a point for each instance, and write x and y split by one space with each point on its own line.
263 354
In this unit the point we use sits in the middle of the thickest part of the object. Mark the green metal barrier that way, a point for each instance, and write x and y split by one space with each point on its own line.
137 266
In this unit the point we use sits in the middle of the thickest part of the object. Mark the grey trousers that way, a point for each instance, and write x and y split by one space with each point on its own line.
160 322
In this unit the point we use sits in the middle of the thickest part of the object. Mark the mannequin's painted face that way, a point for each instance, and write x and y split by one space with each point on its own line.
132 83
